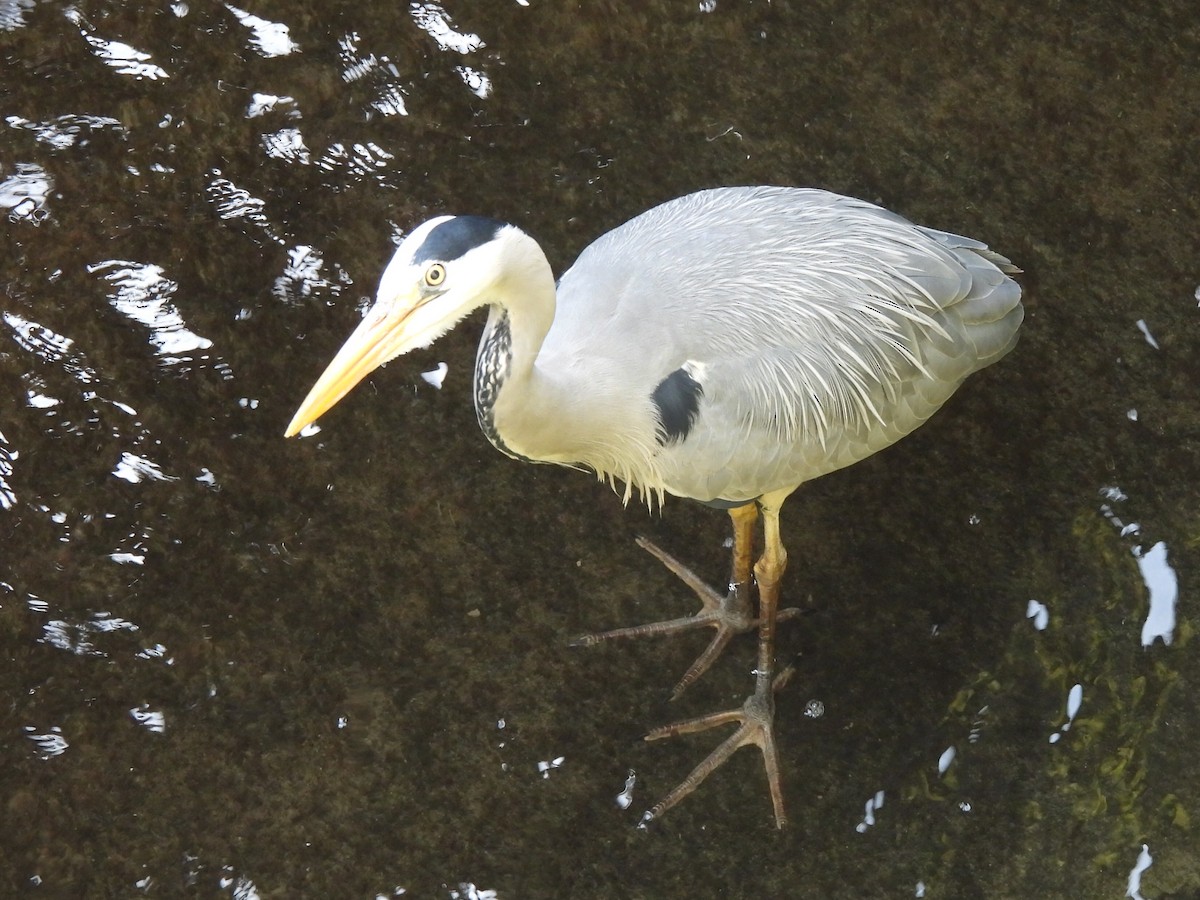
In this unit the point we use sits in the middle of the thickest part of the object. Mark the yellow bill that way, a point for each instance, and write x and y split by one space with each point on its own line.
381 336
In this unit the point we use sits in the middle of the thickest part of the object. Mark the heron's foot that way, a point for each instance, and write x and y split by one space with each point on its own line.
729 613
755 721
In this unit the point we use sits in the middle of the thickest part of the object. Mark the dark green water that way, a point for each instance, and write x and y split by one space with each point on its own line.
233 665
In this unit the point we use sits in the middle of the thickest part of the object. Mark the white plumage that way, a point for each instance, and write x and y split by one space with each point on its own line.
826 328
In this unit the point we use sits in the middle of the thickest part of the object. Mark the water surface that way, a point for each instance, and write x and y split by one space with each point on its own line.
235 665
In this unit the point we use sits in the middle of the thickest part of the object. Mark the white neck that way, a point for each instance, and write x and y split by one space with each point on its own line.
568 409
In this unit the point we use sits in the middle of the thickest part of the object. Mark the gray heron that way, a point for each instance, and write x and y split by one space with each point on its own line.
726 346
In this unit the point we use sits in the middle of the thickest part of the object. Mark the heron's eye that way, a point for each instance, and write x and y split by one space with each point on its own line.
435 275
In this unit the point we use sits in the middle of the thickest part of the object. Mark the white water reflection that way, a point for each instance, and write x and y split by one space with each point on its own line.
269 39
359 160
50 743
625 798
24 194
143 293
357 66
59 351
77 636
74 637
390 101
12 13
468 891
8 455
131 550
1134 887
1074 702
135 469
477 82
239 886
151 719
433 19
287 144
1039 613
1114 494
1163 586
1162 583
946 759
126 60
303 276
872 806
977 726
35 397
1145 330
63 132
261 104
436 376
50 346
158 651
236 204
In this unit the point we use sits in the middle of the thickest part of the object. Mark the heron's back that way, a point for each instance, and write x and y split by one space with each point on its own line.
816 330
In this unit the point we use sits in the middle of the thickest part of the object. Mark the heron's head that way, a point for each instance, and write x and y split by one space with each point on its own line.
441 271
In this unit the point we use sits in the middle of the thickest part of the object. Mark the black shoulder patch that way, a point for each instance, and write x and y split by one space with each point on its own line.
677 398
454 237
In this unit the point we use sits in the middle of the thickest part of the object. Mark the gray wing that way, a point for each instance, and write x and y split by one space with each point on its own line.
818 329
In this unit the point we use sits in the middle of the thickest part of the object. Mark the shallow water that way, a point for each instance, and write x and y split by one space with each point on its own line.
338 667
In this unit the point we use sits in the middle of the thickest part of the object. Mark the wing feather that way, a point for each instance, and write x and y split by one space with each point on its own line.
825 327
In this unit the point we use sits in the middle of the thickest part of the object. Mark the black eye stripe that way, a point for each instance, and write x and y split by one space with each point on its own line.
454 237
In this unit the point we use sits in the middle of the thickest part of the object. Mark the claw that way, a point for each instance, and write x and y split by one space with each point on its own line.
728 613
755 727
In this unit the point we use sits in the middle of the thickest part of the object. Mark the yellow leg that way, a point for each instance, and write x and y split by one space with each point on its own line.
730 613
769 572
756 718
744 519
